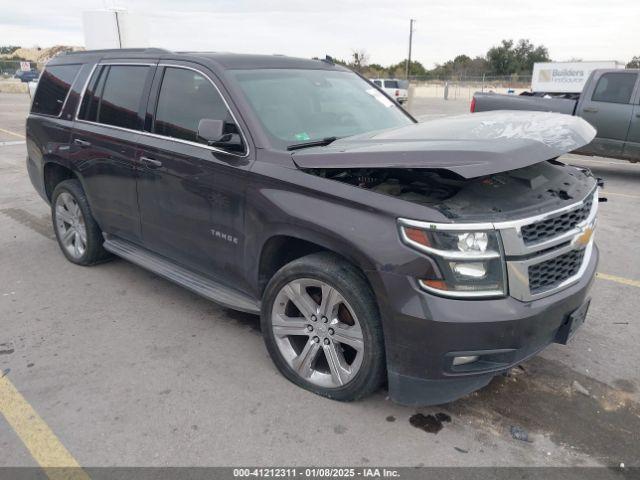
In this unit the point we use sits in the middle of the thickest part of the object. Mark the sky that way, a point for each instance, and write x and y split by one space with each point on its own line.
570 29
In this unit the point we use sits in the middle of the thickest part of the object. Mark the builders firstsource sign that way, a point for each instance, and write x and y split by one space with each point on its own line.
561 77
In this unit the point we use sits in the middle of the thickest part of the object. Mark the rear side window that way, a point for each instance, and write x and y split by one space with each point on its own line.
614 88
378 83
391 84
53 87
91 98
114 96
185 98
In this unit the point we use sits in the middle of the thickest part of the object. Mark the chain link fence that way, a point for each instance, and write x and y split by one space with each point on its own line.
456 87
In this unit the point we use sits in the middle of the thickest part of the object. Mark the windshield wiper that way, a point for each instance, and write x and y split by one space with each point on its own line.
314 143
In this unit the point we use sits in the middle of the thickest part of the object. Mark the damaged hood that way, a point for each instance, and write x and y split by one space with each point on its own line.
470 145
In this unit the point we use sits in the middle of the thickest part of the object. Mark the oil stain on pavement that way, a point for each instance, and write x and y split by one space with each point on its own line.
429 423
39 225
599 420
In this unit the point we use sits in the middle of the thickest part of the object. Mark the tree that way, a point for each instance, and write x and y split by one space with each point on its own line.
502 58
509 58
416 69
634 63
360 59
8 49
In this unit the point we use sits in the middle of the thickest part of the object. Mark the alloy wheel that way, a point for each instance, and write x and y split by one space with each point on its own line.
70 225
317 332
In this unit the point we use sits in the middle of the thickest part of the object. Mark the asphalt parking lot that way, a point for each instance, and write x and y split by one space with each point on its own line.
123 368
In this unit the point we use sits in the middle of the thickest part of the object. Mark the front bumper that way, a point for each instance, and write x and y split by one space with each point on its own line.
423 332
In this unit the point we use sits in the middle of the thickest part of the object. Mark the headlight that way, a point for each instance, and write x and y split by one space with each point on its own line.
470 261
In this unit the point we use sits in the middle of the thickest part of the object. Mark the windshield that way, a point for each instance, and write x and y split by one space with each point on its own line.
296 106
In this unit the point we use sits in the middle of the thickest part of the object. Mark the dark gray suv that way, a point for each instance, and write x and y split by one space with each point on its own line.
430 256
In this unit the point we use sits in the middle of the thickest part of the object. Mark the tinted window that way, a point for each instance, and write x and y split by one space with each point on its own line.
378 83
53 88
121 96
91 98
614 88
391 84
186 97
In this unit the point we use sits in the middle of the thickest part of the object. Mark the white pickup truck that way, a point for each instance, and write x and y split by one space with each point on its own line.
393 87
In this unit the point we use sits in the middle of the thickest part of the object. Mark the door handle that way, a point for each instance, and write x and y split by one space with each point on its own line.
81 143
151 162
591 110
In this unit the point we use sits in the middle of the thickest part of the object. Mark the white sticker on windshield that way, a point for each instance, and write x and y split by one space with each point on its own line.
380 97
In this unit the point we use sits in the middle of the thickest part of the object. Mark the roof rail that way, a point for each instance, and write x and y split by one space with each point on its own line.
121 50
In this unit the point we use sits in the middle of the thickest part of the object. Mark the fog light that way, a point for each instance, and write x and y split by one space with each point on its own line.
464 360
469 269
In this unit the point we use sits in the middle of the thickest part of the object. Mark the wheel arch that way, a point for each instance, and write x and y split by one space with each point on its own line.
285 246
56 170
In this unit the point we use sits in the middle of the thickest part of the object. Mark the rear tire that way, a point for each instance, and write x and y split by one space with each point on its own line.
78 234
322 328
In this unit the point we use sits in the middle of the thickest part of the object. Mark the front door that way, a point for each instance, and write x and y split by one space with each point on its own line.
191 195
104 144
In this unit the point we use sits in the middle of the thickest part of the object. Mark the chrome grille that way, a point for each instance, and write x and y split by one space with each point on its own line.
548 253
554 226
548 274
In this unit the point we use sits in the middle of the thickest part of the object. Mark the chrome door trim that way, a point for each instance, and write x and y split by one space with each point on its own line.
155 135
82 92
226 104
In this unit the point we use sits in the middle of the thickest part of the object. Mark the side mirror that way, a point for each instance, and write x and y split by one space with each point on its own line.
210 130
229 141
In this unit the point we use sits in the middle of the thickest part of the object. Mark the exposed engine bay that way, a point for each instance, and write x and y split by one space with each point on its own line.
540 187
412 185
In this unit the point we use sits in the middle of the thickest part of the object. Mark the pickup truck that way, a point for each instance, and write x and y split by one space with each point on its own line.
610 102
393 87
377 250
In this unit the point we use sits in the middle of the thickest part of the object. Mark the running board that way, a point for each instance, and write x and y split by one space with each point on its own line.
180 275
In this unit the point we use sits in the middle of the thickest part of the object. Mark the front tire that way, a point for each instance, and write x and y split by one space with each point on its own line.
322 328
78 234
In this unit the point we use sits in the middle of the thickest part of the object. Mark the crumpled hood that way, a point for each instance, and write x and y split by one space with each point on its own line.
470 145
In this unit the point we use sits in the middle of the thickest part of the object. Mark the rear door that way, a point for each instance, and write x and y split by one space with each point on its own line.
632 145
191 195
105 143
608 107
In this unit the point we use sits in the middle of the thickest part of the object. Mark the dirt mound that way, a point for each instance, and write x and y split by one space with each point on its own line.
40 54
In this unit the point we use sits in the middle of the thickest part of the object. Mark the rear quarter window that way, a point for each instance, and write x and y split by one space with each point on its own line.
53 87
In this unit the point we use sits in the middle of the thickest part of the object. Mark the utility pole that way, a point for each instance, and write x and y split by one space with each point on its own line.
407 67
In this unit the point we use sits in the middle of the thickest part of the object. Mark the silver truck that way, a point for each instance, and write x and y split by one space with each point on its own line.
610 101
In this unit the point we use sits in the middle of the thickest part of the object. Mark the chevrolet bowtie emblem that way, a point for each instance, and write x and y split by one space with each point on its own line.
585 237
